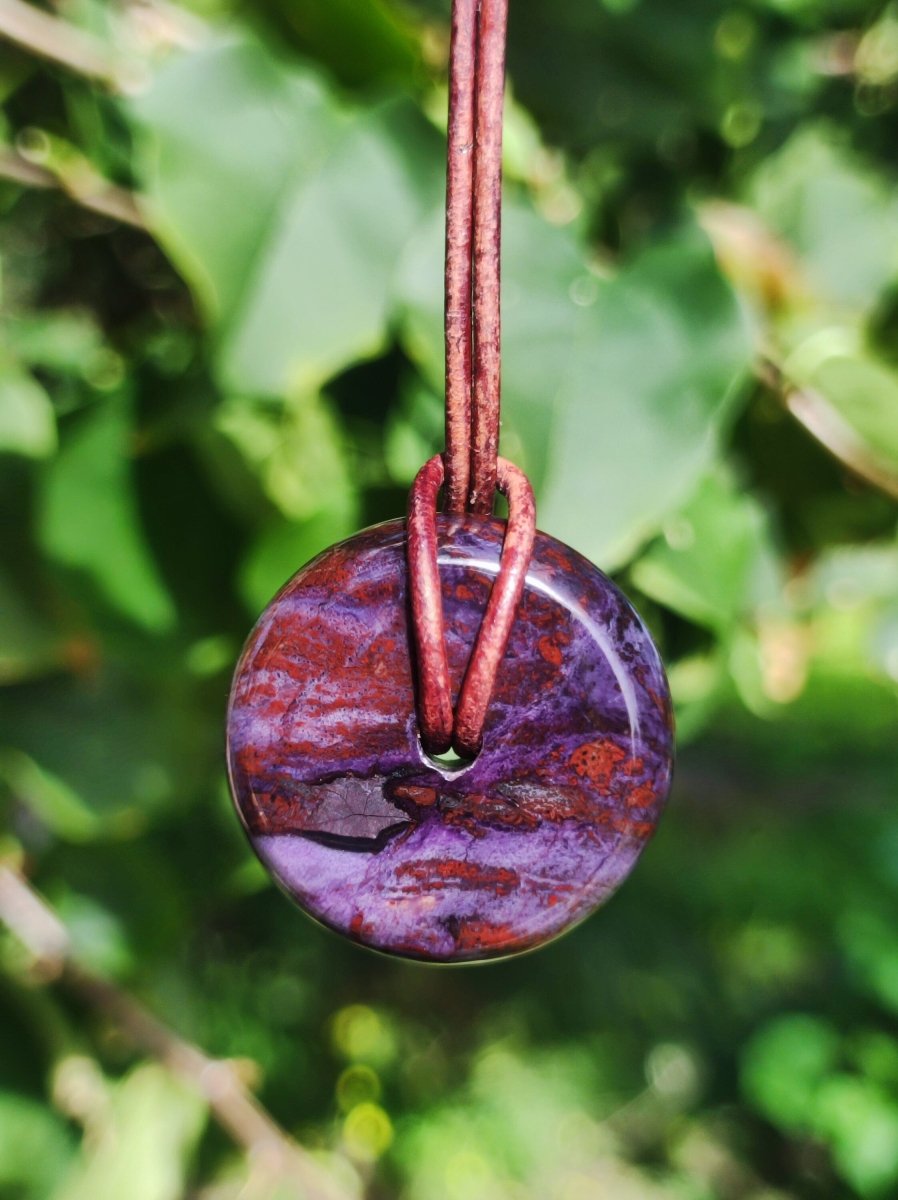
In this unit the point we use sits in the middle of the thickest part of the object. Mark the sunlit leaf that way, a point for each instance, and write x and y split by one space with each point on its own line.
653 381
293 258
142 1145
210 205
69 342
835 211
295 449
849 400
48 798
705 564
321 296
27 423
860 1122
35 1148
784 1066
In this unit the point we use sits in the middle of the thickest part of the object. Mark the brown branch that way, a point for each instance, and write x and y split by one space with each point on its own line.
47 36
161 25
146 27
754 258
84 186
272 1152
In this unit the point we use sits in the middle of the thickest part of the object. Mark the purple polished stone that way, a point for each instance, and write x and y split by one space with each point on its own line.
345 809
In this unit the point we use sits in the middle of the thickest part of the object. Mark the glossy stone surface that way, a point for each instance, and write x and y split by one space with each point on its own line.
345 809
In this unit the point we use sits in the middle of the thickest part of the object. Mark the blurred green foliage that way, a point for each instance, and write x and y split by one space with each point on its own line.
701 377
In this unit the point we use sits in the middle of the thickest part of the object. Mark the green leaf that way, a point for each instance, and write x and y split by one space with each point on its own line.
652 382
696 683
614 76
414 431
35 1148
784 1065
141 1145
99 940
859 1120
53 802
321 297
838 214
851 576
870 944
256 194
231 132
284 547
123 745
27 423
295 449
850 401
89 519
28 645
360 41
706 563
68 342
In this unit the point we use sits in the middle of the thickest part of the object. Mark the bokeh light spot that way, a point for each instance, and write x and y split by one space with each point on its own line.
358 1084
367 1132
364 1035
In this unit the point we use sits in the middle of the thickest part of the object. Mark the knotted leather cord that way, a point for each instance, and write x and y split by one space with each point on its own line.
470 466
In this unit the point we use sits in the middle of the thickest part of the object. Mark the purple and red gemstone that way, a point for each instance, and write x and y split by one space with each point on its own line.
405 854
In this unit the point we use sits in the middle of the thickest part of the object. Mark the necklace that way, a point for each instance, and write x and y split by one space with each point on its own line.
450 737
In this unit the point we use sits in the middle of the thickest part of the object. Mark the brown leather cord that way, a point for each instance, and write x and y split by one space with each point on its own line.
459 266
487 240
501 609
470 467
435 715
464 732
473 236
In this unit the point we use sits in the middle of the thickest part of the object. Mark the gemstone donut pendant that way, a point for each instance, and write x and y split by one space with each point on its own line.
397 851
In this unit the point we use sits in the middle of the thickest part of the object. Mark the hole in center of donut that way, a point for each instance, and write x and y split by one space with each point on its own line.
449 763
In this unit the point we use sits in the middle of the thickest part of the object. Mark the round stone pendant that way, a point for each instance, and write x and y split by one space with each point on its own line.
405 854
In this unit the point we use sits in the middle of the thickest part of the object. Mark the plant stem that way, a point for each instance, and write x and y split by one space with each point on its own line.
824 422
88 190
270 1149
49 37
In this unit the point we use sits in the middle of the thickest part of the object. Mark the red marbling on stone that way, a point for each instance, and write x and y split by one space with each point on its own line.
369 836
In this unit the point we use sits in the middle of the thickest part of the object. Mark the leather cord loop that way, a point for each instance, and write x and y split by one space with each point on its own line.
463 729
